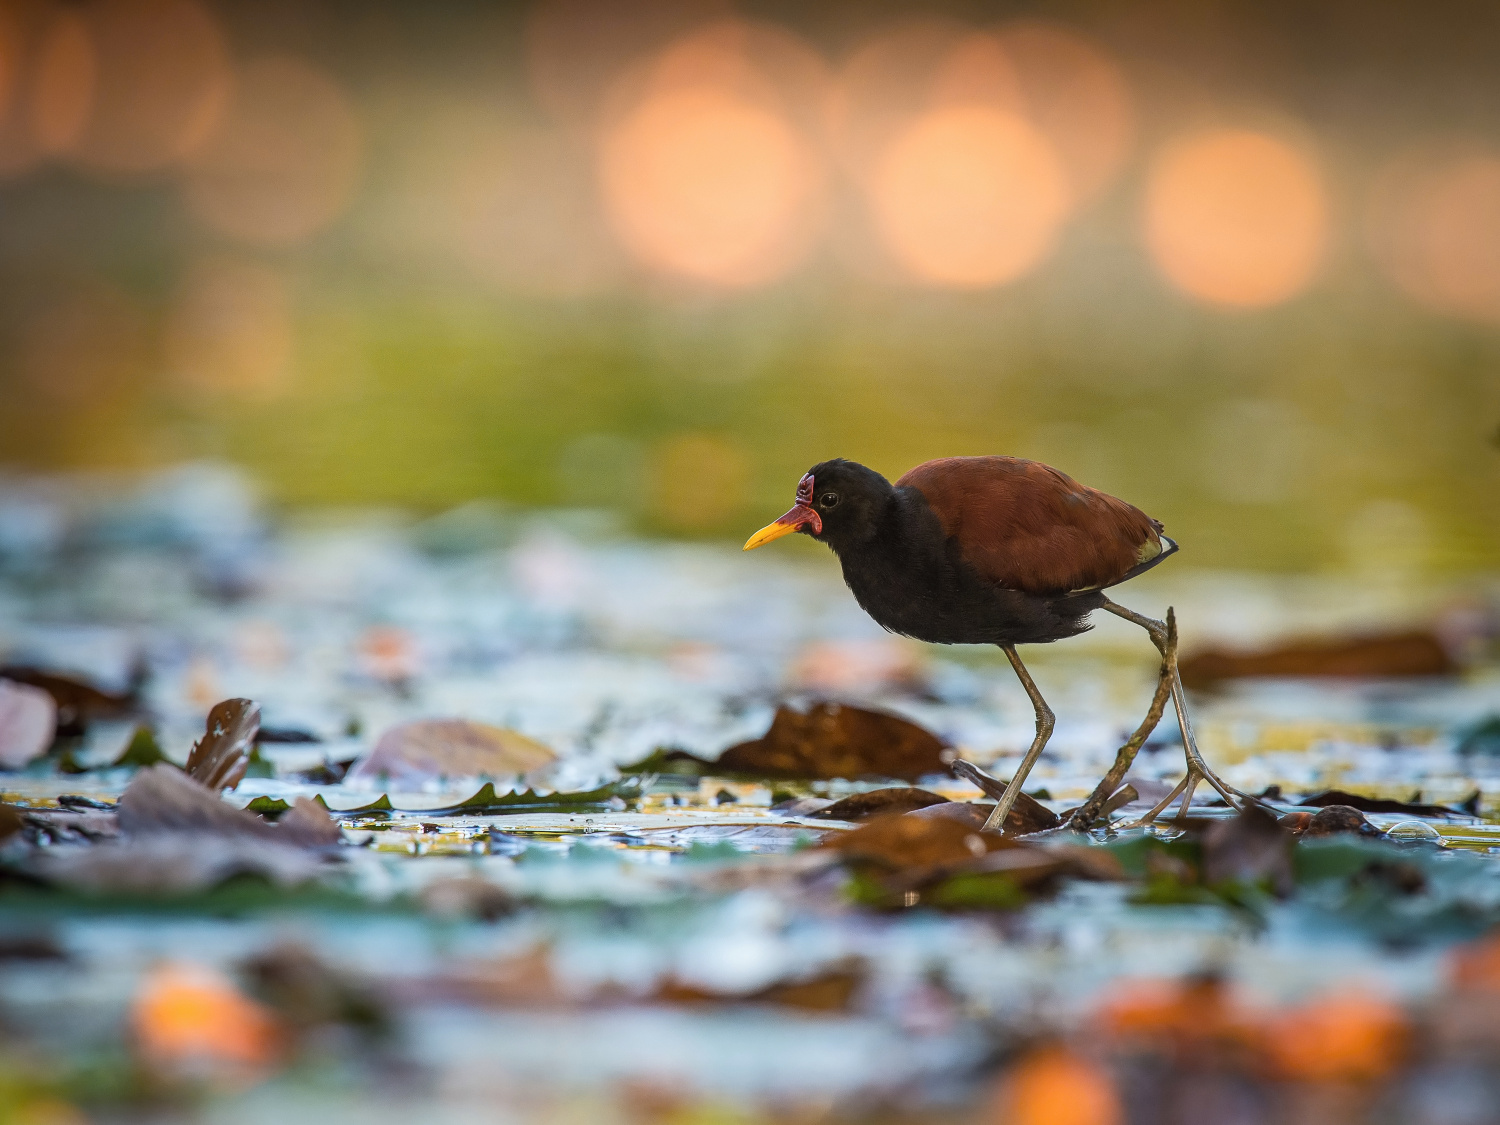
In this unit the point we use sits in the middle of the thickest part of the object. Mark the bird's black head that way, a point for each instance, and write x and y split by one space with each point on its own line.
839 502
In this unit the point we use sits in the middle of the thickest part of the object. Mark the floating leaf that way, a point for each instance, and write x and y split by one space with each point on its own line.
1374 804
486 800
878 802
833 740
381 806
268 807
1370 656
414 753
143 750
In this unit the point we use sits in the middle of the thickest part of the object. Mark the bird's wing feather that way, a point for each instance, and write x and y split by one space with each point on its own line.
1027 526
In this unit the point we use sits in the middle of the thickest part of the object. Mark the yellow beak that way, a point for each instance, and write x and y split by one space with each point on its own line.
769 532
792 521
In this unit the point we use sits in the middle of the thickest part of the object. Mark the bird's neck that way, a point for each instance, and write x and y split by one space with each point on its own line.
907 546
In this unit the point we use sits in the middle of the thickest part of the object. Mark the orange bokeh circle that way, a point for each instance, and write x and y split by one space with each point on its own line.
969 197
1235 217
229 328
1434 227
128 86
706 168
284 160
708 186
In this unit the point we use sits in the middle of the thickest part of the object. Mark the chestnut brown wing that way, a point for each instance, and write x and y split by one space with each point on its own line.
1027 526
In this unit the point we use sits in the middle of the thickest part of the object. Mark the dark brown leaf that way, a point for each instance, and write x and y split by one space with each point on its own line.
1026 815
1338 819
77 702
878 802
221 756
915 843
830 991
833 740
1373 655
1374 804
964 812
12 820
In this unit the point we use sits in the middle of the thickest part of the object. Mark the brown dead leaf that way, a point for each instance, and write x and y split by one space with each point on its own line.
426 749
1026 815
78 702
913 842
833 740
161 798
220 758
1368 656
178 836
830 991
308 824
28 722
1334 820
964 812
878 802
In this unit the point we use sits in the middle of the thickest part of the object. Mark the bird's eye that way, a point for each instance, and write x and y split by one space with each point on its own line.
829 499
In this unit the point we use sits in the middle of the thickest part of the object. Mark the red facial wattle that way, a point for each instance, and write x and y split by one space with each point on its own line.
802 515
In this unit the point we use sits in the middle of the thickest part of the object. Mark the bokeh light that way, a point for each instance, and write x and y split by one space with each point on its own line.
704 171
576 49
284 160
1235 217
893 75
154 75
522 210
1051 1085
27 36
1433 224
969 197
64 83
1076 94
230 328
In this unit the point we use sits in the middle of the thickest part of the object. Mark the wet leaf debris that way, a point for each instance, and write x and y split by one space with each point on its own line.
402 831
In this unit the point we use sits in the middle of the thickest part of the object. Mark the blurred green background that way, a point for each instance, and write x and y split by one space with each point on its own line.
1238 263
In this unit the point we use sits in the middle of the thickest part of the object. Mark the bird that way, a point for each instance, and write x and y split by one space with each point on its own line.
997 550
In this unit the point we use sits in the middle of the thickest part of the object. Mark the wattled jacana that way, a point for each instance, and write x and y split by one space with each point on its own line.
996 550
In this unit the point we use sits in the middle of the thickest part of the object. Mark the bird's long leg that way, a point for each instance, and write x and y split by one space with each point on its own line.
1044 723
1089 811
1195 761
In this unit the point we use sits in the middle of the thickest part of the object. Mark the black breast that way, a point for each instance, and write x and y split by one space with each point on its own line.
912 580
